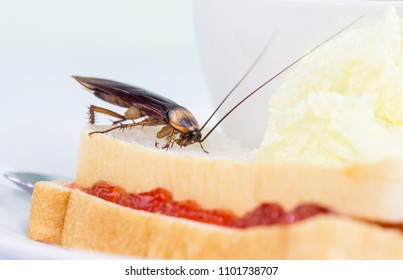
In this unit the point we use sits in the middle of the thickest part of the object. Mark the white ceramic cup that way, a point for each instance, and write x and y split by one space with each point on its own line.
231 34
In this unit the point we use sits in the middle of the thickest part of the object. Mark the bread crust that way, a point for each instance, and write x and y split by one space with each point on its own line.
48 210
368 191
93 224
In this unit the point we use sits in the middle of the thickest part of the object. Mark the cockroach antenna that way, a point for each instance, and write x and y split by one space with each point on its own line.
271 39
267 81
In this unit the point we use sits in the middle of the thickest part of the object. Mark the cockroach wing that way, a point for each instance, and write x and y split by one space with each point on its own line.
124 95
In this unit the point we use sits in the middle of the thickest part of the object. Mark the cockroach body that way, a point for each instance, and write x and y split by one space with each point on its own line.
145 108
150 109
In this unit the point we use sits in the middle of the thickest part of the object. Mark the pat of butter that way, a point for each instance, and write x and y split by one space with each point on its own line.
344 102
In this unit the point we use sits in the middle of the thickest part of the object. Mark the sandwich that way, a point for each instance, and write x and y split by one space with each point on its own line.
353 212
296 197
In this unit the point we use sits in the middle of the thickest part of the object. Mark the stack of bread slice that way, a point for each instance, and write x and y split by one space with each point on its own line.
364 202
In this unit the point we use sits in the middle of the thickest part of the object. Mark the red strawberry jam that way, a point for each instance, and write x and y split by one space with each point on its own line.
160 200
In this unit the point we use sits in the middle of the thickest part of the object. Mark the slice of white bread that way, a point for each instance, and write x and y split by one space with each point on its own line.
370 191
75 219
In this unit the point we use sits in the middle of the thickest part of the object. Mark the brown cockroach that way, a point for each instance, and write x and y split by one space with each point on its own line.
145 108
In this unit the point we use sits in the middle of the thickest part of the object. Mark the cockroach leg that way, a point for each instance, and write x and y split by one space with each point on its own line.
145 122
165 131
93 109
169 142
121 126
201 146
168 132
172 143
117 122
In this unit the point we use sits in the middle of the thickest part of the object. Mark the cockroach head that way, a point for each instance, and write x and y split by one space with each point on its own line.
189 138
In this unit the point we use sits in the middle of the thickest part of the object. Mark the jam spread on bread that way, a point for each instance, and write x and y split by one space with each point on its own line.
160 201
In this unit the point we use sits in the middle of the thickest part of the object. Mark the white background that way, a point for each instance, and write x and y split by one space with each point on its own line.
150 43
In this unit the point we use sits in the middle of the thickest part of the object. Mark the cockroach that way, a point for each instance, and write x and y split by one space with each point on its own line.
145 108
